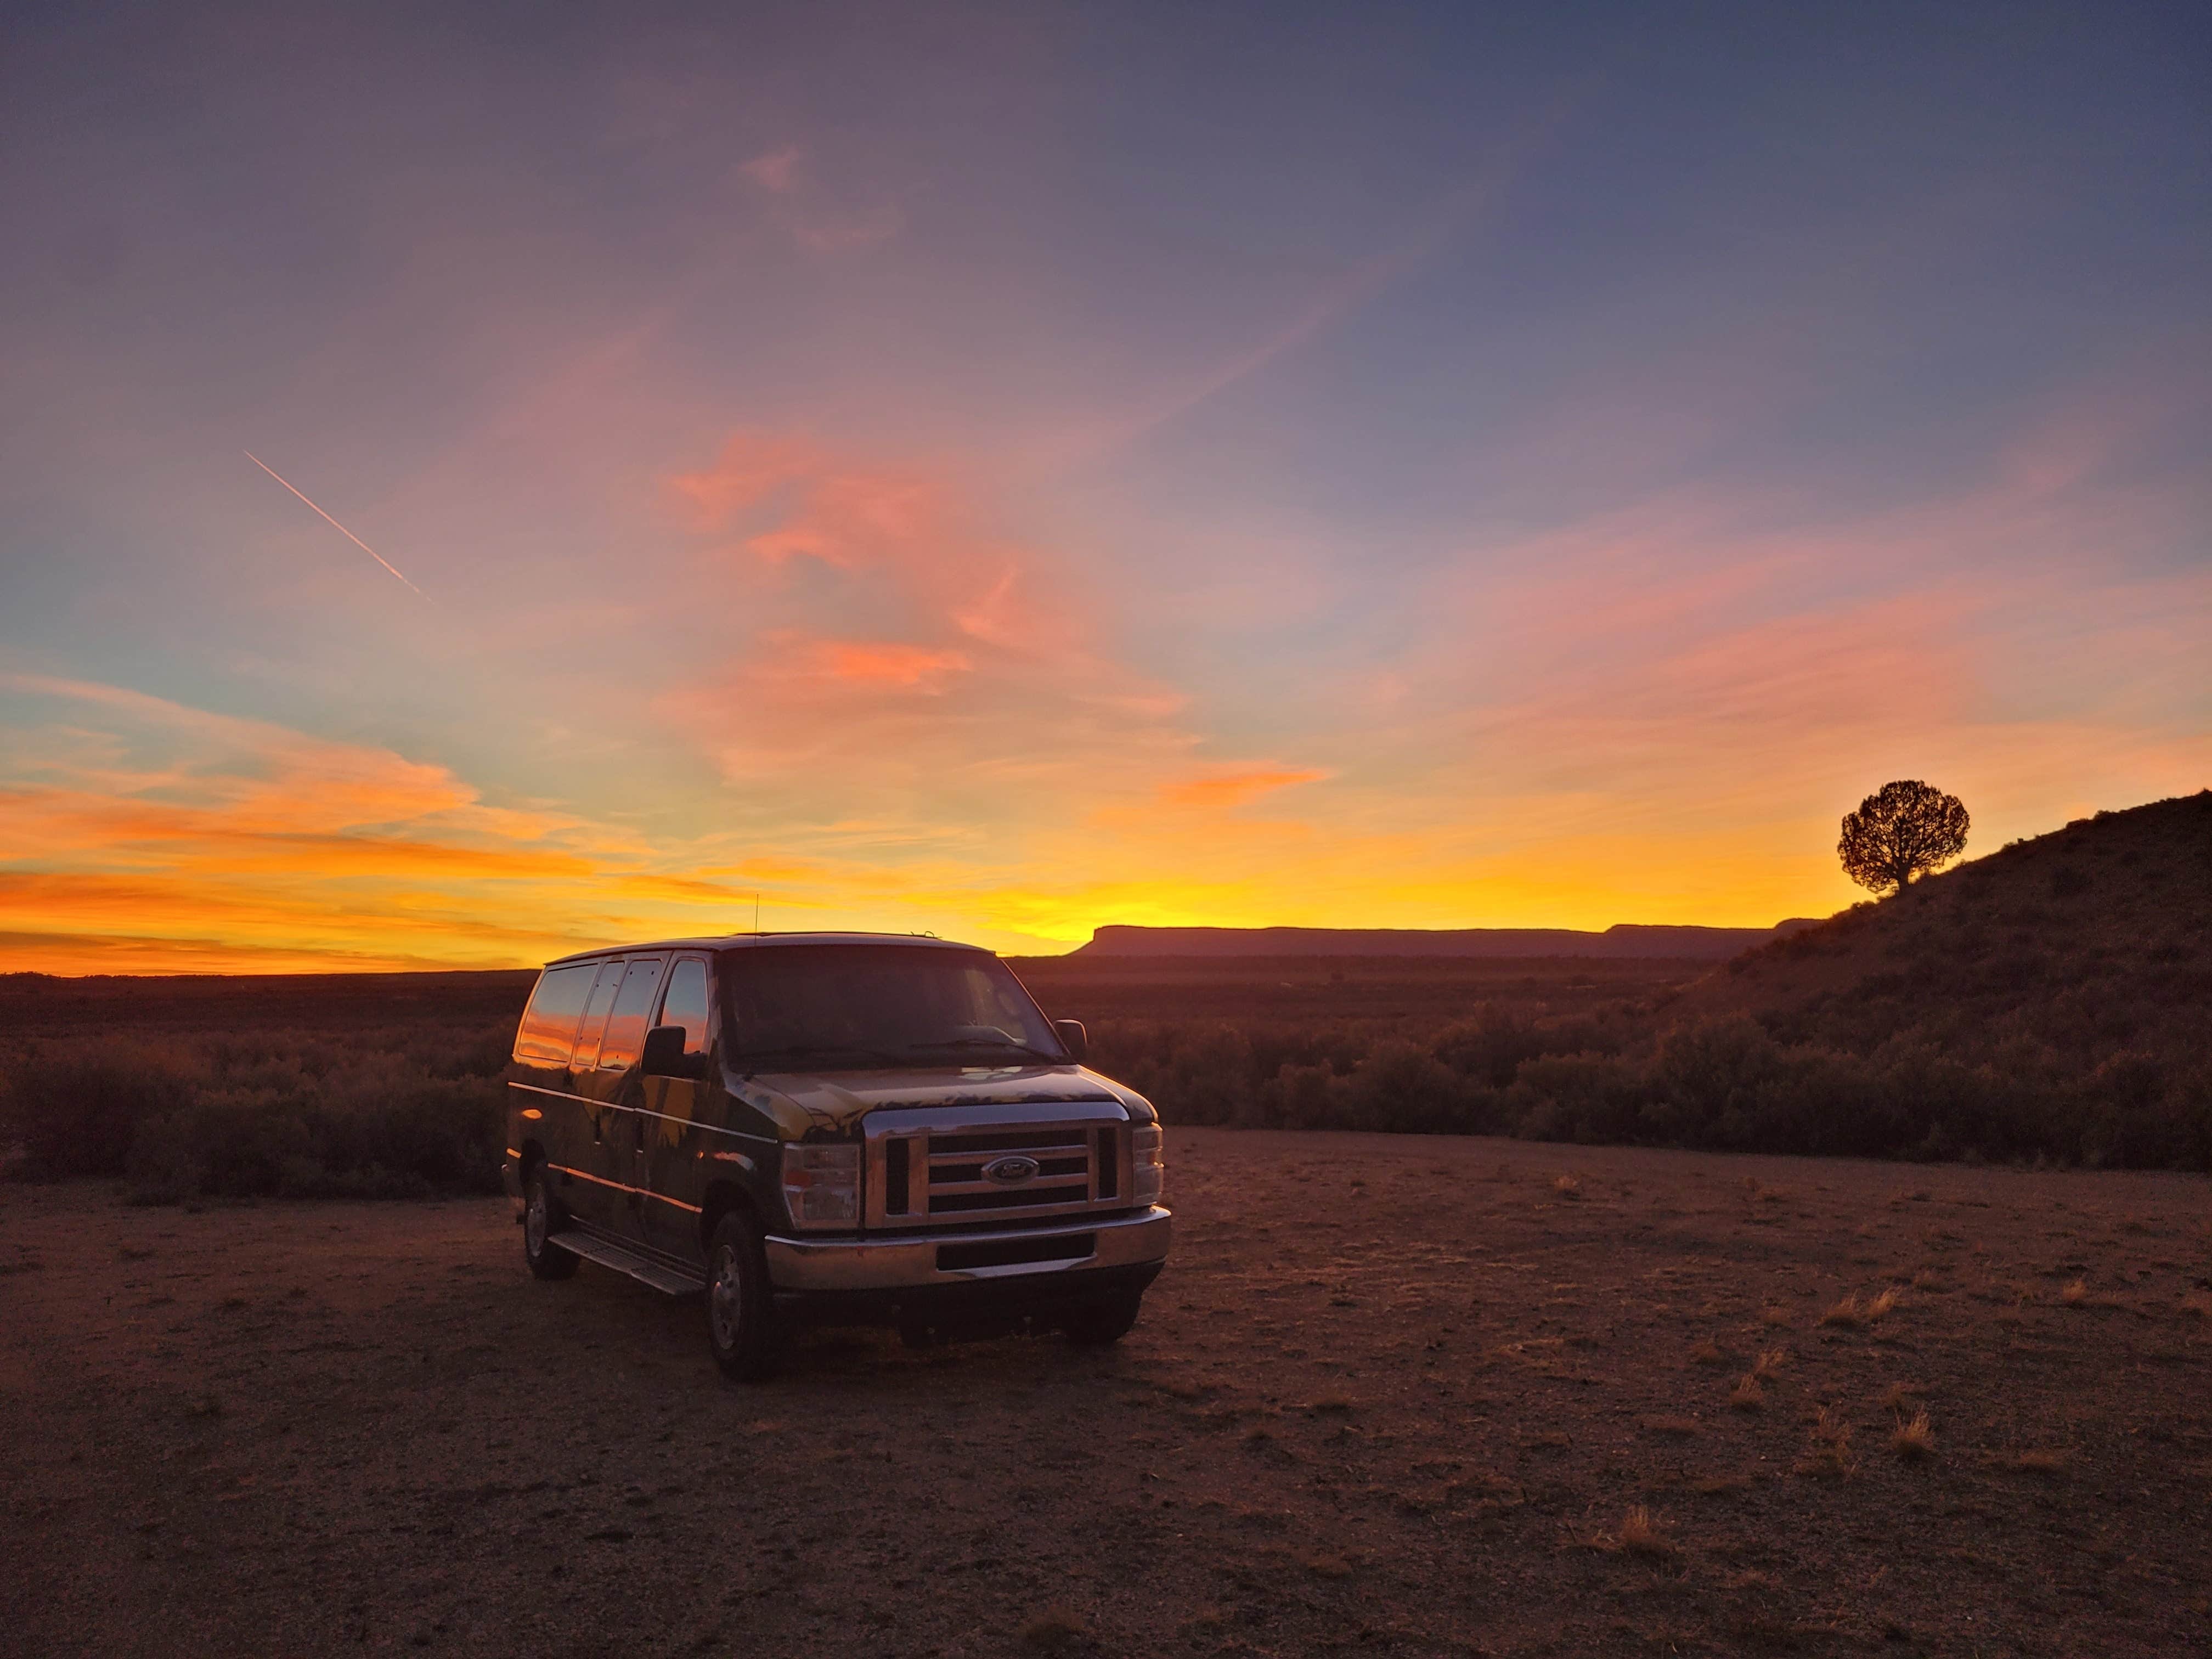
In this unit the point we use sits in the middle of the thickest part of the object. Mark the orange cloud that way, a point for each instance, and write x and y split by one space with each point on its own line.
1221 790
291 846
903 665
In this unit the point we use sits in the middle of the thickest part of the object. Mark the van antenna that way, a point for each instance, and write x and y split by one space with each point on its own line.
755 910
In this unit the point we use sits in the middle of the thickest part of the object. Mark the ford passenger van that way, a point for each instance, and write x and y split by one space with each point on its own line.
831 1127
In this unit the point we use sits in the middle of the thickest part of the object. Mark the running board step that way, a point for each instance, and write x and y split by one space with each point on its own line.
641 1269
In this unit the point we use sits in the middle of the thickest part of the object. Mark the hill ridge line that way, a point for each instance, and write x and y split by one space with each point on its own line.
1622 940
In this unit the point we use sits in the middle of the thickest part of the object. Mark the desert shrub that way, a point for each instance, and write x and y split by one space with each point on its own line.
1491 1045
75 1110
1590 1098
265 1113
2137 1111
1402 1087
1303 1097
1708 1079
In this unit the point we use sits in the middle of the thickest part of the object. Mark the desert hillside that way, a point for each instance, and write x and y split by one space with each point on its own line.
2087 948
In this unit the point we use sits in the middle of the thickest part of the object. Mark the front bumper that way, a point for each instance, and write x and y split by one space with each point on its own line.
809 1266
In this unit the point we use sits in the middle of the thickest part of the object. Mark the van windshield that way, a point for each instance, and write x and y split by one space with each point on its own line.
850 1007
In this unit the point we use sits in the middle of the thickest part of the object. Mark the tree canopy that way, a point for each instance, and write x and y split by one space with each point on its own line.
1901 832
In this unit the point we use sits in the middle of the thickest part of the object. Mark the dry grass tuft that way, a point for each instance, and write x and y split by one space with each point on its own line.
2198 1304
1747 1396
1770 1361
1642 1535
1928 1279
1826 1462
1709 1353
1056 1627
1567 1185
1775 1318
1846 1312
1829 1456
1916 1439
1328 1566
1894 1396
2038 1459
2076 1291
1882 1304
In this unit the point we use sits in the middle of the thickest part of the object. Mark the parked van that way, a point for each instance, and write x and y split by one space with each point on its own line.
830 1128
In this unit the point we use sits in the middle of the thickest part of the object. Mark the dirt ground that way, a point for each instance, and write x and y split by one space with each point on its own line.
1393 1395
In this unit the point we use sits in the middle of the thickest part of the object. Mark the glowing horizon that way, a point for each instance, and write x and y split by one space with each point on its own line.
1013 475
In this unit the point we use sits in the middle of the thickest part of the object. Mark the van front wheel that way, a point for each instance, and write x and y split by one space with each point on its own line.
740 1314
1103 1322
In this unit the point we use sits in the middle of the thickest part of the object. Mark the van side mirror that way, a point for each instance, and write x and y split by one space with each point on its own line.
1073 1038
663 1053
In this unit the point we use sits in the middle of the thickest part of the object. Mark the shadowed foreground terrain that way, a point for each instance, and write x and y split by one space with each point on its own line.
1414 1396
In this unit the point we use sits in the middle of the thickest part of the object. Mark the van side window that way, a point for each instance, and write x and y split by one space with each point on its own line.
626 1028
686 1004
548 1034
595 1016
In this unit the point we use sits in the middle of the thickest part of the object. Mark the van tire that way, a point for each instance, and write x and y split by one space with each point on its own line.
1101 1324
542 1217
742 1328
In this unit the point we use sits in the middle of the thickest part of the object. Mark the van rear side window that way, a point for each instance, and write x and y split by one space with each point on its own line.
626 1027
549 1024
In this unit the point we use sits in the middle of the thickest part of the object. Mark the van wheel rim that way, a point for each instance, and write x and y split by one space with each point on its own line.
533 1221
725 1298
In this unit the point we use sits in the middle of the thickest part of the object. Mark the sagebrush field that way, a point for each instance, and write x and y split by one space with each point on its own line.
1421 1396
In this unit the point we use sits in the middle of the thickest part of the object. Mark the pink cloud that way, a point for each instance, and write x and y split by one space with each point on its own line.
775 171
981 695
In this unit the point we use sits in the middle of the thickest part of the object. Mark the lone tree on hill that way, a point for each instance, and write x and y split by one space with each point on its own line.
1900 832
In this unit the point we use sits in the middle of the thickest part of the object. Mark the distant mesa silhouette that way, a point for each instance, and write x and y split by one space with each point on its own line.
1622 941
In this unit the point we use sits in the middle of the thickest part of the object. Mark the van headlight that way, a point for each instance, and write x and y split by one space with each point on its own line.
1147 1163
822 1185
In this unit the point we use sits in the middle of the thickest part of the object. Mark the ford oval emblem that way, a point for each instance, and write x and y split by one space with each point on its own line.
1010 1171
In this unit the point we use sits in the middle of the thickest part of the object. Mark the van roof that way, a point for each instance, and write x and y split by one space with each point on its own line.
756 941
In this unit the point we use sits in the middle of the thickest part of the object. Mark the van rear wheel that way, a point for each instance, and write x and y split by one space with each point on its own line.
741 1323
542 1217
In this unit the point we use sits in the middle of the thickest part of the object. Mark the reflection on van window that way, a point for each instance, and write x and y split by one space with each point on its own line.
595 1016
687 1003
859 1005
549 1024
626 1028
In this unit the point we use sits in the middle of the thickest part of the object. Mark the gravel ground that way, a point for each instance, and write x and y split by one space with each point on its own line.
1393 1395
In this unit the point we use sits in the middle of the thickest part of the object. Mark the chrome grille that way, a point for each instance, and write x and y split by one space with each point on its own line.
1038 1161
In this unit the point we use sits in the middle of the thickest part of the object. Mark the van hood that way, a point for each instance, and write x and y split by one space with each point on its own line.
803 1103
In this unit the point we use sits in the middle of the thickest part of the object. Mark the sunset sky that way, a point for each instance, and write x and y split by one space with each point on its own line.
1003 470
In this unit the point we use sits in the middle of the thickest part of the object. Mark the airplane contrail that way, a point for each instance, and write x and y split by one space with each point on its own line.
333 523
